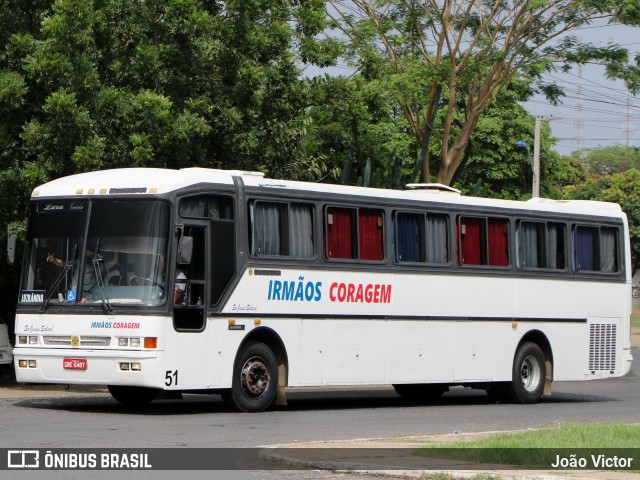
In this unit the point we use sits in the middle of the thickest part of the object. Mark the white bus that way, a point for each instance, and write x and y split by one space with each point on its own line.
200 280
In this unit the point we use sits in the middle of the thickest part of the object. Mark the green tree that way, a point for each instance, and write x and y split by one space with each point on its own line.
359 133
93 84
457 56
358 122
611 159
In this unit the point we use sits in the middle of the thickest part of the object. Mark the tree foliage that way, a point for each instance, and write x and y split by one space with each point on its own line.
611 159
455 57
92 84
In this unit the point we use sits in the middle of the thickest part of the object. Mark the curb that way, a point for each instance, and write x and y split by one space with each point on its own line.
385 467
365 469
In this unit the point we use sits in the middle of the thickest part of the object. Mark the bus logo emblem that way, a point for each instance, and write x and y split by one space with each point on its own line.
75 341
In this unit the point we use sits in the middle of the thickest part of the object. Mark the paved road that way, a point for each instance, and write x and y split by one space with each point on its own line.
54 420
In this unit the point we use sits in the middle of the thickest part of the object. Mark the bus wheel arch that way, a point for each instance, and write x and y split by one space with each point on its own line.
262 353
532 371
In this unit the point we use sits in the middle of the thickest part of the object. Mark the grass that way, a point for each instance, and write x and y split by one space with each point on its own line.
538 447
635 320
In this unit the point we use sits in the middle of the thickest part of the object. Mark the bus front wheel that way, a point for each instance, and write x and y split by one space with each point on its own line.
528 375
255 379
135 396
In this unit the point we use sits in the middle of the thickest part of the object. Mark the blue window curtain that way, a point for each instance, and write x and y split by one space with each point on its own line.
265 219
586 243
407 238
301 231
437 238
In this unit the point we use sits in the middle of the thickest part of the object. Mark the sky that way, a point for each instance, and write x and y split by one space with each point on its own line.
596 111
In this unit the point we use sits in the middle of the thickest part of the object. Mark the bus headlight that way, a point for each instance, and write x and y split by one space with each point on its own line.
129 342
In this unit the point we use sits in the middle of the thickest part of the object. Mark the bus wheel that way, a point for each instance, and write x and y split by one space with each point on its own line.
420 391
255 379
529 373
133 395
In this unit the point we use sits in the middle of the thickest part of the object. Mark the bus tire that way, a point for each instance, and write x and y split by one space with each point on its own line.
135 396
420 391
255 379
528 375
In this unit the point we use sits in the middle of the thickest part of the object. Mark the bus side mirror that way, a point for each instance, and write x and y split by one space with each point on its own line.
11 248
185 250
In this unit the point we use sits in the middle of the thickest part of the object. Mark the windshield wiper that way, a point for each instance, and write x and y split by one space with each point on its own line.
106 305
54 287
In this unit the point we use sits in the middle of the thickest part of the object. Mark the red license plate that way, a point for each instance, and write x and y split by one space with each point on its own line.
74 363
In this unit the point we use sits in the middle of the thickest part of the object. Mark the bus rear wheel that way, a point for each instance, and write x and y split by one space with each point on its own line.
134 396
420 391
528 375
255 379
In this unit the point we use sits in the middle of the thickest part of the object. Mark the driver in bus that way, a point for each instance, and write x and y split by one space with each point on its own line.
88 271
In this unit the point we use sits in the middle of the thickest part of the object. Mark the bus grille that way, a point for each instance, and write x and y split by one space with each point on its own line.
85 341
602 347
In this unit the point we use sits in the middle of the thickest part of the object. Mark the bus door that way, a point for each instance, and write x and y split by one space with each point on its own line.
188 344
204 267
189 290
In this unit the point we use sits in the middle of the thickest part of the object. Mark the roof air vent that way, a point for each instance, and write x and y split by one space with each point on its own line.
433 188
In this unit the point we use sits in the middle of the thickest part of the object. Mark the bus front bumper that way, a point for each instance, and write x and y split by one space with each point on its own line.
89 367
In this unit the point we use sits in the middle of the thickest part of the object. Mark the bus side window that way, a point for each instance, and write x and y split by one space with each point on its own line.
595 249
352 233
483 241
541 245
281 229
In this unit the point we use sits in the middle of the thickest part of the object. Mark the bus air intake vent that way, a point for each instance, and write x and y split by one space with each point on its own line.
602 347
85 341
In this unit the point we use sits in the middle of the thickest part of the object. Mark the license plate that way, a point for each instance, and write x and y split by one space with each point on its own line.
74 363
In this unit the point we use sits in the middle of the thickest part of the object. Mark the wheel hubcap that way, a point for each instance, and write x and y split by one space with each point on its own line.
255 377
530 373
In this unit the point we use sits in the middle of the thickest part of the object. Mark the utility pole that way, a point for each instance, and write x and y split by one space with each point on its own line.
536 154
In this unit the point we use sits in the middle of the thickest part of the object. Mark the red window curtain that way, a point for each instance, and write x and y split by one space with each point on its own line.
370 234
470 241
339 233
498 233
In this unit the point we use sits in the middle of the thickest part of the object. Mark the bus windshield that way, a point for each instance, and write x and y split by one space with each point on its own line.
99 252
